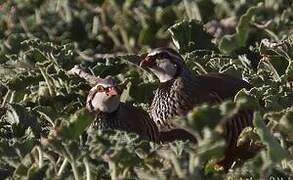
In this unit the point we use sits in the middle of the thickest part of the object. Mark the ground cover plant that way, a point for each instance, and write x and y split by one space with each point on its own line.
43 122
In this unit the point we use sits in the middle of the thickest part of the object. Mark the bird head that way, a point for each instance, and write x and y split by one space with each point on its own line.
165 63
104 97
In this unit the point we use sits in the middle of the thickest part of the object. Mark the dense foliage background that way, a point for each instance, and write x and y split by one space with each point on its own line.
43 121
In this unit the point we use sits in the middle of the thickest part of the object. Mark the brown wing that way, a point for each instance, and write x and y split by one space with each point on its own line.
139 122
224 85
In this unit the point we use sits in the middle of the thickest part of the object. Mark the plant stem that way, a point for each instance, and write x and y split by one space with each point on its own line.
74 169
5 98
177 167
47 81
63 165
87 168
40 156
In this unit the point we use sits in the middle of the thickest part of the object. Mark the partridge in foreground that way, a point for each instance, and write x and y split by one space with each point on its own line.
179 91
103 102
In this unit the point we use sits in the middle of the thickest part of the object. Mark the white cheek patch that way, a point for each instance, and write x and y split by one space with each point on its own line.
95 102
153 53
104 103
162 74
169 68
165 70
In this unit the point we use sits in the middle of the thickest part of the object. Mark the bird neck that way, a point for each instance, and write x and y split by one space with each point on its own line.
185 72
105 120
110 114
170 93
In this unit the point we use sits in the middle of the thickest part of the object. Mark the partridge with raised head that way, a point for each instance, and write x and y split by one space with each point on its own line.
179 91
104 102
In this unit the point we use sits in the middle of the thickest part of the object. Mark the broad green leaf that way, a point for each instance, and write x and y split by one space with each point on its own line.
21 81
279 54
204 116
21 119
147 35
282 49
275 151
230 43
245 100
21 170
286 122
35 55
78 124
188 36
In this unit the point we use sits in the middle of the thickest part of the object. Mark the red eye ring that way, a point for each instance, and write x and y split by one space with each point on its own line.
100 88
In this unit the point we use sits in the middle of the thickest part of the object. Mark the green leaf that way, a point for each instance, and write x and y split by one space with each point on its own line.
35 55
147 35
78 124
245 100
279 54
25 147
126 158
231 43
188 36
21 170
21 119
282 49
286 122
289 72
275 152
21 81
247 135
125 94
203 116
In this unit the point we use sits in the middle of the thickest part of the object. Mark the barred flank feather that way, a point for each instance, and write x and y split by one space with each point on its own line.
233 127
235 124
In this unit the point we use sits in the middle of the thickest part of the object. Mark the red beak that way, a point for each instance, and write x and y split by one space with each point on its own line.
148 61
112 91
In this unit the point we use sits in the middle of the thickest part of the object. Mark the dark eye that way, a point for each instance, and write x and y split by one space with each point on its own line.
100 88
162 55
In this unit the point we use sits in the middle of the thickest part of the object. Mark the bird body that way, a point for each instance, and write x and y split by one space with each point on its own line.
104 102
130 119
178 96
180 91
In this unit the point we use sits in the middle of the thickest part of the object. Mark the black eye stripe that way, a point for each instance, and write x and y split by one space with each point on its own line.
91 99
162 55
166 55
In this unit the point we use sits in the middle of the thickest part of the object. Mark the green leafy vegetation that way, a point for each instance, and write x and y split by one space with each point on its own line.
43 122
